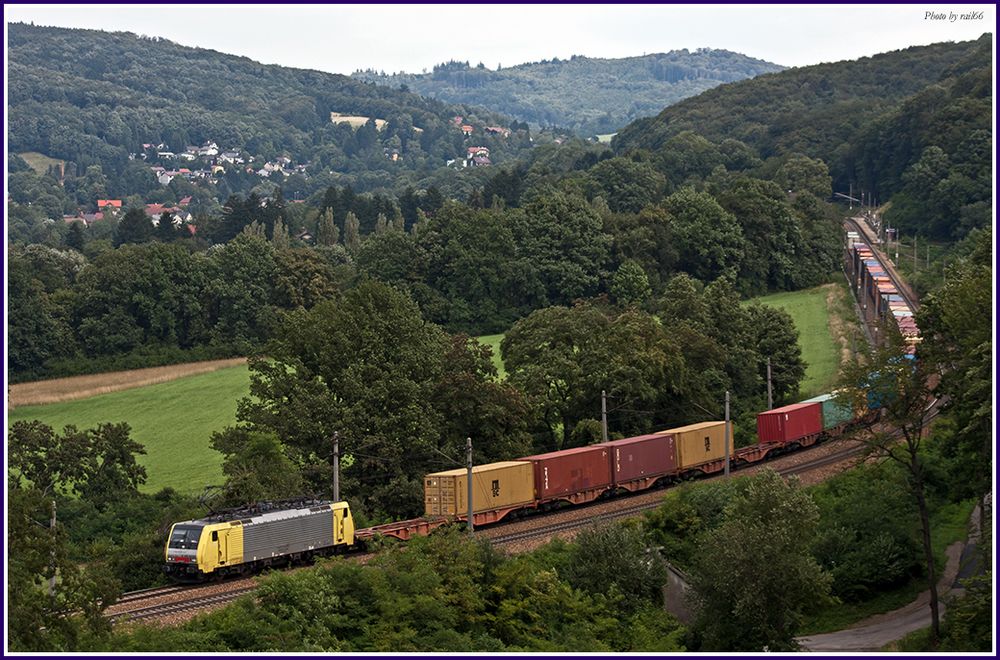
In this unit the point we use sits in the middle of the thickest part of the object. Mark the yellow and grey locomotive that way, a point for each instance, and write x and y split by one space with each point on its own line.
244 540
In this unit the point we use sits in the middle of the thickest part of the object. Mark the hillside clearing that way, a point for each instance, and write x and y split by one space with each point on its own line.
40 162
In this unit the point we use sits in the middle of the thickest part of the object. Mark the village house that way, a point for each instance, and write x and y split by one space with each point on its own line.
477 157
208 149
230 157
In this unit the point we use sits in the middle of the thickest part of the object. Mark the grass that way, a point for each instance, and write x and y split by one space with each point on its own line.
949 524
40 162
355 121
810 310
174 421
914 642
83 387
493 341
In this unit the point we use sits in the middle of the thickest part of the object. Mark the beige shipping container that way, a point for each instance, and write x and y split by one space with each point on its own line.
701 443
494 486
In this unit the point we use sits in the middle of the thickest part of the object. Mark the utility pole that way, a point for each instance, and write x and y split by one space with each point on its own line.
52 556
336 466
728 427
770 403
604 416
897 247
914 254
468 460
850 195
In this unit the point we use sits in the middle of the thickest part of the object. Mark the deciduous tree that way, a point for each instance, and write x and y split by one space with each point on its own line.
742 602
898 386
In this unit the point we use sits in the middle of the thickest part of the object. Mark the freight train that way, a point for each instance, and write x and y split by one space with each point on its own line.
882 304
584 474
242 541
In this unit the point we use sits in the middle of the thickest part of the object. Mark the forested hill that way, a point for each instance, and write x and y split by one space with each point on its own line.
92 98
871 120
588 95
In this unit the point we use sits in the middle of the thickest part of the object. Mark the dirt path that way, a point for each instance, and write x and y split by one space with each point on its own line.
81 387
880 630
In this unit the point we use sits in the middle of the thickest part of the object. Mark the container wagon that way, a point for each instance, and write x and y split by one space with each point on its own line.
497 490
638 463
799 423
832 412
701 447
577 475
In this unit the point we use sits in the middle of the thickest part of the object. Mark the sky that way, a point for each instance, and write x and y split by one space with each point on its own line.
412 38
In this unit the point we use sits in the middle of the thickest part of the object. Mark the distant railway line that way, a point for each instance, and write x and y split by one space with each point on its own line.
890 269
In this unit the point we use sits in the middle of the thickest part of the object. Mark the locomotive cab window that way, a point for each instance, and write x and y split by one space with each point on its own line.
185 537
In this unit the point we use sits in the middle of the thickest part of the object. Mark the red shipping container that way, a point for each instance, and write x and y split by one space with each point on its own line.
580 471
789 423
643 456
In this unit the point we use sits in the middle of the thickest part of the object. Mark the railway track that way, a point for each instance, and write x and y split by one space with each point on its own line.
175 607
153 592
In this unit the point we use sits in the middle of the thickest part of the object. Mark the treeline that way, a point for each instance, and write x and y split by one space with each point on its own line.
910 127
92 98
154 303
573 223
581 93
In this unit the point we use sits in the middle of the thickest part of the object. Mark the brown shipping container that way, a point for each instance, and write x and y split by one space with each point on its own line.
789 423
562 473
494 486
701 443
643 456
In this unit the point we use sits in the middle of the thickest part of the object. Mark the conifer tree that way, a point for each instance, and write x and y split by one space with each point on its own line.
352 232
327 232
279 236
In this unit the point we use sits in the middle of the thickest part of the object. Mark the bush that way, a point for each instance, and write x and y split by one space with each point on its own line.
868 540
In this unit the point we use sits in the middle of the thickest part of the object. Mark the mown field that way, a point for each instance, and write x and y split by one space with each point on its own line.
810 310
174 421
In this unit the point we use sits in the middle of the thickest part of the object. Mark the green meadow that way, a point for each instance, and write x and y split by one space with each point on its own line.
493 341
810 314
173 420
